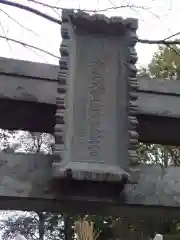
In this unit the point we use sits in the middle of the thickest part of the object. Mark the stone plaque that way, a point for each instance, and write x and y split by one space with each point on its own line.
96 126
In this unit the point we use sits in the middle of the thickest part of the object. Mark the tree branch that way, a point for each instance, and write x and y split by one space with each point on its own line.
175 34
30 46
39 13
173 50
29 9
164 42
89 10
35 52
5 35
14 20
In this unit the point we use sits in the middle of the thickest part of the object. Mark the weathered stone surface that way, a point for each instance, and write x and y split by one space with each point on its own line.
97 83
159 104
26 184
154 96
22 111
35 94
156 187
29 69
21 173
18 78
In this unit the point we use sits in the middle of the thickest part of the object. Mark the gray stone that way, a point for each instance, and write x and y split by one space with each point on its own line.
157 101
31 187
98 73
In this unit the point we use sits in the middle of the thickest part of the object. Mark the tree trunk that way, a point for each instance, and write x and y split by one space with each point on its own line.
41 225
68 235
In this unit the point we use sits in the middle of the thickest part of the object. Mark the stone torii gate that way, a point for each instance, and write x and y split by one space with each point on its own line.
92 108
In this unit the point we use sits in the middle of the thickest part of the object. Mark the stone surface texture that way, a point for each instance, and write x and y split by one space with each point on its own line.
26 183
34 87
96 121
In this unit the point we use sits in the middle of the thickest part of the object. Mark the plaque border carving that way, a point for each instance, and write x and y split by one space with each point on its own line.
80 22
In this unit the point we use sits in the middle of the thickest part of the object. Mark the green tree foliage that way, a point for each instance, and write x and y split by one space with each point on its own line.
54 227
26 223
164 64
159 154
34 226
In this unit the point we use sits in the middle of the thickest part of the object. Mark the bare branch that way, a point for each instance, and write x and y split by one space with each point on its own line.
29 9
39 13
30 46
5 35
57 13
173 35
89 10
14 20
164 42
173 50
159 19
35 52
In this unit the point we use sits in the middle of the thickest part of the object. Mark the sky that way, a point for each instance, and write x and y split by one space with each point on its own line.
159 21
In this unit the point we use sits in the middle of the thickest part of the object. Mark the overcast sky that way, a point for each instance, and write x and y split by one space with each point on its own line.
160 21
